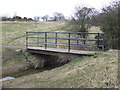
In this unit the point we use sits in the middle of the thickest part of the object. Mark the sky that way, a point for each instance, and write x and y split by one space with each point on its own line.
31 8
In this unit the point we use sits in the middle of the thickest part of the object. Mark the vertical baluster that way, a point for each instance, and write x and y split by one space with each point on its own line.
103 42
26 40
45 40
77 39
69 43
98 42
38 39
56 39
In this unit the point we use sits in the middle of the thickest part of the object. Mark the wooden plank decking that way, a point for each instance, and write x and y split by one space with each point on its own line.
58 50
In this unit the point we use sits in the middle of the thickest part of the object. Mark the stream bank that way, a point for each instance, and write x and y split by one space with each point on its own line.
17 63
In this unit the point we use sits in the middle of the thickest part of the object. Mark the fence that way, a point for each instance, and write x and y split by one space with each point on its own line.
69 40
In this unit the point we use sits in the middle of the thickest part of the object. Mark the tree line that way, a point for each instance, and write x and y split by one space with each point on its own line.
56 17
16 18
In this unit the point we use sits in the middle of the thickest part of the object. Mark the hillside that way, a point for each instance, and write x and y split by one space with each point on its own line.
14 32
95 71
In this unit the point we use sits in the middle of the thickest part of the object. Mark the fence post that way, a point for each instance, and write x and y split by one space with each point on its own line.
56 39
45 40
98 42
26 40
69 43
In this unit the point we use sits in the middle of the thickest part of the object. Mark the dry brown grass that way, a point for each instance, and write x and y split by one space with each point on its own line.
14 32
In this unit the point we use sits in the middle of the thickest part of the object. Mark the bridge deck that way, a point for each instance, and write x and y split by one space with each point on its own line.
59 50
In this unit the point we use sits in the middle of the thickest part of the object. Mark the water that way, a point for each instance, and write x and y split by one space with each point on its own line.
23 73
27 72
6 78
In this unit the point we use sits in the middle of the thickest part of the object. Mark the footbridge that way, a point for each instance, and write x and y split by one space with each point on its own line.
64 42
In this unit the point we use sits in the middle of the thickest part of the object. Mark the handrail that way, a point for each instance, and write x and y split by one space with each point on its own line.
68 32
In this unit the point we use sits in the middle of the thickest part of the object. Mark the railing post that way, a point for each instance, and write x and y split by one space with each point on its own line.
69 43
38 39
77 39
98 42
103 43
56 39
45 40
77 43
26 40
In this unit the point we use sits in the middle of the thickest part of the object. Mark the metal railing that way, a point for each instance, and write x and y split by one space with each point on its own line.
46 39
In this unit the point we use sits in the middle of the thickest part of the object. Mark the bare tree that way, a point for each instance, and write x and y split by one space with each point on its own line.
81 21
83 17
36 19
58 16
45 18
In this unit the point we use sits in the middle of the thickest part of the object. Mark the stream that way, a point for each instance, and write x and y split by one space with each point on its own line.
22 73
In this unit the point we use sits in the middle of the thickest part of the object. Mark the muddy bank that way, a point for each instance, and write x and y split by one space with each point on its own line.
18 62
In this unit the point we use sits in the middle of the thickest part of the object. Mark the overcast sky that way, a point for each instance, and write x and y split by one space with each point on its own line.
31 8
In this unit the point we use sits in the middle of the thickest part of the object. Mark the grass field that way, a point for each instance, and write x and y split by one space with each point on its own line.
96 71
14 32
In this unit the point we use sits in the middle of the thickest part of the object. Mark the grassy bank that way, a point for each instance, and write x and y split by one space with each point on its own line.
99 71
13 42
17 60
